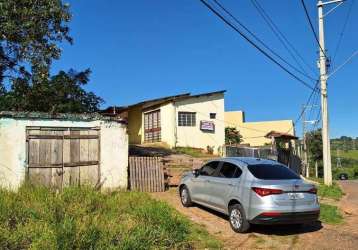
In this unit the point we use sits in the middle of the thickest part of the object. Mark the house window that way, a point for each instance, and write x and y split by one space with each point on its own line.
187 119
212 115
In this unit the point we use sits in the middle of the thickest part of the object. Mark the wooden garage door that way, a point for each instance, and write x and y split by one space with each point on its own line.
59 157
152 129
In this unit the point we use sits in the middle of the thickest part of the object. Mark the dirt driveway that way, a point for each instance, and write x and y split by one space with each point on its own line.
314 236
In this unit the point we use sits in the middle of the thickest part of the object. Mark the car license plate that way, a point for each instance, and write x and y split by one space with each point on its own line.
295 196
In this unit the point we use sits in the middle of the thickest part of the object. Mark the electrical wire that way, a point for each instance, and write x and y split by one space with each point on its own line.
311 26
302 71
344 63
304 109
283 39
255 45
343 30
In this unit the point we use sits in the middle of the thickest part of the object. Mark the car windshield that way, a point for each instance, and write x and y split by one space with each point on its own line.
272 172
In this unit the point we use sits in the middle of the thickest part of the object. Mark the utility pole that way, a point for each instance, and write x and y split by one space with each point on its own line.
304 138
327 167
305 156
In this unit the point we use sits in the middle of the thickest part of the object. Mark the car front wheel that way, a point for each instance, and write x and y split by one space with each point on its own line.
185 197
237 219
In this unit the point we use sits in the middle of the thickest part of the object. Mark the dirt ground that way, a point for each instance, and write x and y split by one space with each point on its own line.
313 236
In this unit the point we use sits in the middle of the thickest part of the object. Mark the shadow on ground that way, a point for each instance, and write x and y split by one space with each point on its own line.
136 150
280 230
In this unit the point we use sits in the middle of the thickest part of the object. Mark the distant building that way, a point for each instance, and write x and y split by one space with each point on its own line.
177 121
255 133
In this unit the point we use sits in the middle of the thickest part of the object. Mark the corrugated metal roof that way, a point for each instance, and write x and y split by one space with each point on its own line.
118 109
57 116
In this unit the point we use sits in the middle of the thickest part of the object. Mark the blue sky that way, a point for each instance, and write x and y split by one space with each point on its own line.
144 49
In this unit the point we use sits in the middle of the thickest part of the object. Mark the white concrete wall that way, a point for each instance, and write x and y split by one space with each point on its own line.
114 150
203 106
168 122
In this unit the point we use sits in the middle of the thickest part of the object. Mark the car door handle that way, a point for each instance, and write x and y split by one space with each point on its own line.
230 184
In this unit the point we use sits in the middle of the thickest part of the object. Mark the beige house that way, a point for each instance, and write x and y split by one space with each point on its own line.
178 121
254 133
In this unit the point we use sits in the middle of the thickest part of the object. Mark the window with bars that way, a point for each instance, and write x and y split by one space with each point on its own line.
187 119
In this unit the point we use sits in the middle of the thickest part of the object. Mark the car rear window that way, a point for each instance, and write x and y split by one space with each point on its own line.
272 172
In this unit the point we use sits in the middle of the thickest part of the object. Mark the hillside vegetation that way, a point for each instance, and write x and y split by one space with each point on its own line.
82 218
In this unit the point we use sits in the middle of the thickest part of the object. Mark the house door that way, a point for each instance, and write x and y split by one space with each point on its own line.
152 129
59 157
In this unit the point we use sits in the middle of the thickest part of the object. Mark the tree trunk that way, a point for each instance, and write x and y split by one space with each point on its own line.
316 168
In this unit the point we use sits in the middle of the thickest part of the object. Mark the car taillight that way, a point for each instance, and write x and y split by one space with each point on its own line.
271 214
266 191
313 190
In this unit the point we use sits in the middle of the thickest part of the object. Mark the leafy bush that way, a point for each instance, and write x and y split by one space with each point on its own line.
82 218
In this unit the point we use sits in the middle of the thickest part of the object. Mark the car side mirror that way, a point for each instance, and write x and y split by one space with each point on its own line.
196 172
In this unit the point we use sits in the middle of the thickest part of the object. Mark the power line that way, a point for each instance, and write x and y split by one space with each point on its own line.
344 63
255 45
304 109
282 38
318 119
343 30
315 103
312 29
230 123
302 72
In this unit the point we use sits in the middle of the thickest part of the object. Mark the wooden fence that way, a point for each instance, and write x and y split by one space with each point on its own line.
147 174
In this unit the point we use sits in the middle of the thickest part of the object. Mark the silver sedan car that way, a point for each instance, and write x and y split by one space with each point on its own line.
251 191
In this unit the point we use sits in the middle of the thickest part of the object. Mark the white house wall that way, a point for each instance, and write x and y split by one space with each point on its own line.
114 149
167 120
193 136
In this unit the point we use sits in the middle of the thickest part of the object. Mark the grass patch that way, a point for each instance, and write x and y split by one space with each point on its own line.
194 152
332 192
351 154
330 214
82 218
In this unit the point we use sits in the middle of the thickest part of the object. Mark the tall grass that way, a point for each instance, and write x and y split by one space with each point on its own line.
82 218
332 192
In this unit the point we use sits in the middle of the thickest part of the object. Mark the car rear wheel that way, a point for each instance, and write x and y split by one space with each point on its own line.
237 218
185 197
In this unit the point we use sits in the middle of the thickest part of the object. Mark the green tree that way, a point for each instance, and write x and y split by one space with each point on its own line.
30 34
59 94
315 145
232 136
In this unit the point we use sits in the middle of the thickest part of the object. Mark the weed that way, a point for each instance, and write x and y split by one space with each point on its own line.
194 152
333 192
330 214
82 218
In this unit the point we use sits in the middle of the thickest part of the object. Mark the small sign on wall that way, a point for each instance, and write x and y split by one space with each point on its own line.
207 126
